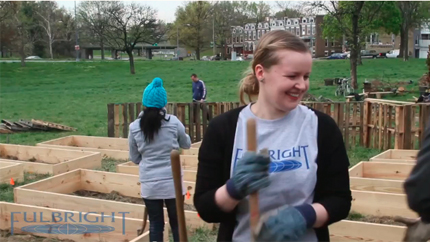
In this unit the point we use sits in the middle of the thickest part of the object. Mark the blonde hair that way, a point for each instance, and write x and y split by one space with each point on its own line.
265 55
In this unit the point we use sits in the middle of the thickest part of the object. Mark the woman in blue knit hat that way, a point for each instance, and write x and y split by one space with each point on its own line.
152 137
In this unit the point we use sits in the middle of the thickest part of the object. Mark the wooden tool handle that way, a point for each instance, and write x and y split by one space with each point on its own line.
254 212
176 171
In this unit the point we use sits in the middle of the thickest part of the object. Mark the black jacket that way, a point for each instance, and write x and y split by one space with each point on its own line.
332 188
417 186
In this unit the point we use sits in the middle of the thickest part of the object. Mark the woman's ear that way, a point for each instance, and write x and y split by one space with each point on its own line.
259 72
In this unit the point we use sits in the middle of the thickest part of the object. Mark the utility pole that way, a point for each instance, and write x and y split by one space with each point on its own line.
77 42
213 34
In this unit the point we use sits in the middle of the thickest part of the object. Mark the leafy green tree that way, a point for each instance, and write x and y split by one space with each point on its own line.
192 24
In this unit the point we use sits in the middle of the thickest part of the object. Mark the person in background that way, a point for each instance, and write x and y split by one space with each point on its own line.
152 137
417 189
303 181
199 95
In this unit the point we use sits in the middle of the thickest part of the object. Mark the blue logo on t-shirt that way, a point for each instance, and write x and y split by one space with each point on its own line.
280 161
284 165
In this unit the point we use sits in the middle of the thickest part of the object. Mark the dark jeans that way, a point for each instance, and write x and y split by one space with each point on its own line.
156 218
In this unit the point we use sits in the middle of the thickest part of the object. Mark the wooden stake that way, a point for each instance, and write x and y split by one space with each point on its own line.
254 213
176 171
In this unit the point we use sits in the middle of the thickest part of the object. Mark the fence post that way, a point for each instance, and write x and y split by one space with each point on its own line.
111 120
400 127
407 127
366 117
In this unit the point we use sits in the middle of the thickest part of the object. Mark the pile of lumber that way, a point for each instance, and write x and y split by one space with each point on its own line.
8 127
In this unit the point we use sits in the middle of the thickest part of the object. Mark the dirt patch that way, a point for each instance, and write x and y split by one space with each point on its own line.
373 219
28 238
116 196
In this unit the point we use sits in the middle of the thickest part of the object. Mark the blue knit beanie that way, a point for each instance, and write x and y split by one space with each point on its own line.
155 95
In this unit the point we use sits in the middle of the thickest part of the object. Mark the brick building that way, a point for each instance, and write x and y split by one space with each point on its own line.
245 38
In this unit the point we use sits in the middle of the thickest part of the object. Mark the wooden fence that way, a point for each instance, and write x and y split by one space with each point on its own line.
374 123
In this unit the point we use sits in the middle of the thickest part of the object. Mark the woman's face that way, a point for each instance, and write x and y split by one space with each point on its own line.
285 83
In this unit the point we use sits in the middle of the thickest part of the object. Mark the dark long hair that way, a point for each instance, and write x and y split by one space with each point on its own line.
150 122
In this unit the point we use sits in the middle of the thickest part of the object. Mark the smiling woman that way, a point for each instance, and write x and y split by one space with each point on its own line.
303 182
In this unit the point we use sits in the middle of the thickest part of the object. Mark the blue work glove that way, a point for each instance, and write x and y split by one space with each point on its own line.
250 175
286 223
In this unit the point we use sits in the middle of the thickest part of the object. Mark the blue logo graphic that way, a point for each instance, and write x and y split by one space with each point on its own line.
284 165
67 229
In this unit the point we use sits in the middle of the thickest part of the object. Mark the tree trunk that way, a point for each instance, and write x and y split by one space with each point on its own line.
22 52
359 61
354 51
131 59
198 53
102 48
402 43
405 46
50 49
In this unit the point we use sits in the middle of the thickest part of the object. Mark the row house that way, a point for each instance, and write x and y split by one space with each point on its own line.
245 38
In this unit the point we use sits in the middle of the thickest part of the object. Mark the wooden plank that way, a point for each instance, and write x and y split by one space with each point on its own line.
10 170
22 215
354 123
111 120
376 185
349 231
196 144
382 170
52 125
380 204
49 160
106 182
131 112
347 122
125 120
116 118
394 155
108 147
407 126
190 151
133 169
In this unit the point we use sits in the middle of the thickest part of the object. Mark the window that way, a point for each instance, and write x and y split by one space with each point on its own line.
240 31
288 23
312 20
260 26
246 27
297 31
280 24
309 32
304 20
259 34
234 31
252 26
425 36
266 25
326 42
296 22
314 30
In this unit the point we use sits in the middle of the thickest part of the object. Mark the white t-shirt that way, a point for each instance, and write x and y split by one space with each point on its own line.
293 149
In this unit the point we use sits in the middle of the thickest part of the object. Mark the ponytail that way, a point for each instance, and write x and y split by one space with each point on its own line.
150 122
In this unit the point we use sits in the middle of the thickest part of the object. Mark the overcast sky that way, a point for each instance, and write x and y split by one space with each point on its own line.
166 9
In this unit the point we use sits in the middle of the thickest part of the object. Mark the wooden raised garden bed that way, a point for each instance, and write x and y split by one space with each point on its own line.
196 145
121 228
10 170
381 170
377 189
393 155
49 160
96 191
348 231
133 169
190 151
115 148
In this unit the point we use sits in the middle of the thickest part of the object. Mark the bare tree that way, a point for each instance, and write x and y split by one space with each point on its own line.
49 21
95 18
128 25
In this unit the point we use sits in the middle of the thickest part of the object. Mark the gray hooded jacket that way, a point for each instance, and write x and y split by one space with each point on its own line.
155 171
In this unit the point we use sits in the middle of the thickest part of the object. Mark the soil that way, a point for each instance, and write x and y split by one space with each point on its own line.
33 159
29 238
116 196
374 219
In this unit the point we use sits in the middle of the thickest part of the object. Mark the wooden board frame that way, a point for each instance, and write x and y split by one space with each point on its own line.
53 192
395 155
381 170
115 148
349 231
22 215
196 145
133 169
56 161
10 170
190 151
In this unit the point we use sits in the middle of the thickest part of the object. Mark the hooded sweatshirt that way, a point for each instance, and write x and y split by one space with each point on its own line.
155 171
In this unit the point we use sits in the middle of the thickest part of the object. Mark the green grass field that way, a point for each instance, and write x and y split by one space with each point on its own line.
76 94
